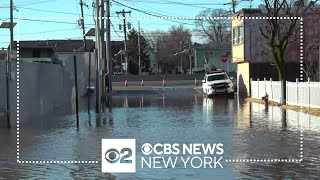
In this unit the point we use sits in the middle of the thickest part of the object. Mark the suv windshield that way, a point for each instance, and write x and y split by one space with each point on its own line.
217 77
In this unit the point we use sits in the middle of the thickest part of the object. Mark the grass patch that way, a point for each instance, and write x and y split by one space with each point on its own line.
311 111
260 101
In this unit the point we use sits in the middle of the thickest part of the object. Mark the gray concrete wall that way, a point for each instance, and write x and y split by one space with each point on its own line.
43 88
2 86
82 69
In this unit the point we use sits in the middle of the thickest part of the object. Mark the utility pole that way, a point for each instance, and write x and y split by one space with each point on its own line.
139 48
108 48
319 61
98 57
181 56
83 29
121 60
103 51
7 66
125 36
233 3
11 24
190 57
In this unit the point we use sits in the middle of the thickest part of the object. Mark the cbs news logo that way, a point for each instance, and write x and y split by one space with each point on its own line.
118 155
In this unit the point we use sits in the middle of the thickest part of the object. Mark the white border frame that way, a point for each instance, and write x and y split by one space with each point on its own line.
299 160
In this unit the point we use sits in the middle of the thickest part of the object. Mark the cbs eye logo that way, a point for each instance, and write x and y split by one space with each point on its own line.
118 155
146 149
113 155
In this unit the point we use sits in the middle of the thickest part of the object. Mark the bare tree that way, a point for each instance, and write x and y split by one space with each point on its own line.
154 36
311 67
167 44
280 33
212 26
314 7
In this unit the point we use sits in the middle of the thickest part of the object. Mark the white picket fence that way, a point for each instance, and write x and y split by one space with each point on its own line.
306 94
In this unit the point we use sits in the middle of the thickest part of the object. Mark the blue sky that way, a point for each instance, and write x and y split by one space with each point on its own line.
68 29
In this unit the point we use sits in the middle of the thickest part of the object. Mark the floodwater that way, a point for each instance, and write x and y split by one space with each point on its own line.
245 129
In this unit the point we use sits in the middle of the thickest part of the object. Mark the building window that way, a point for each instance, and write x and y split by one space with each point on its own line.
211 53
237 34
240 34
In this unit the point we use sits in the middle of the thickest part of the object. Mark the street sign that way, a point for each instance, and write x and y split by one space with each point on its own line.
224 58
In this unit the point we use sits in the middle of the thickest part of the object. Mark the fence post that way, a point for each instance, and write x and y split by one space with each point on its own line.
281 92
265 86
250 92
271 93
258 88
287 92
309 92
297 95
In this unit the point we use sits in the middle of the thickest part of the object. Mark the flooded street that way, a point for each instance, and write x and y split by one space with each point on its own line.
246 131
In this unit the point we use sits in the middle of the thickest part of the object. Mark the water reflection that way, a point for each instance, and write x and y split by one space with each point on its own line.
245 129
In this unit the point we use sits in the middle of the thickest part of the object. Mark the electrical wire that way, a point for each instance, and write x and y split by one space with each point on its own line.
115 29
151 14
60 12
28 3
148 7
197 5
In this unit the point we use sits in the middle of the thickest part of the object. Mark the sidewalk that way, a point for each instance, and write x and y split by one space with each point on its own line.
150 86
155 83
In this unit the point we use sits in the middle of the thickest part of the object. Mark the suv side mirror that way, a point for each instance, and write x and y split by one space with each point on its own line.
231 78
204 81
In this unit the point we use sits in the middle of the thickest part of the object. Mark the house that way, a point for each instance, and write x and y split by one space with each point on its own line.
215 54
252 55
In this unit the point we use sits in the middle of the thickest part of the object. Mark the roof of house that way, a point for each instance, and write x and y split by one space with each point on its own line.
66 45
62 45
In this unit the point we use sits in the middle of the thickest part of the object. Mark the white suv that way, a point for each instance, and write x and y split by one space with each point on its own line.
217 83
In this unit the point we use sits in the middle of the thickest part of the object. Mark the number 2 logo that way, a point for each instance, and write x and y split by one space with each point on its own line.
113 155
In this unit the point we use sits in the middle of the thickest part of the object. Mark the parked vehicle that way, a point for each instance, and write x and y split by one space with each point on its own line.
217 82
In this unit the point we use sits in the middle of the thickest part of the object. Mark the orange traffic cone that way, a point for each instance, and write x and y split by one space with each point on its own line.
126 83
142 84
163 83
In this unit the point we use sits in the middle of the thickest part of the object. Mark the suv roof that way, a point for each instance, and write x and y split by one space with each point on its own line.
213 74
216 71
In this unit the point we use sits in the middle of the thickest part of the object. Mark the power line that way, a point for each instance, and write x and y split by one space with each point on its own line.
135 4
115 30
42 32
60 12
29 3
48 21
198 5
148 13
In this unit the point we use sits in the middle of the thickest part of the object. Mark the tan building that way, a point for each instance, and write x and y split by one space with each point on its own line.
253 56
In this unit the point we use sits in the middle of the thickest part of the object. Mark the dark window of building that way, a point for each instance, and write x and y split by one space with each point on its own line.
35 52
